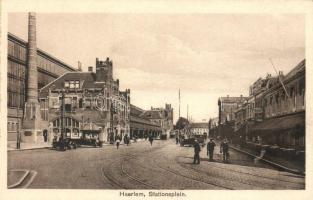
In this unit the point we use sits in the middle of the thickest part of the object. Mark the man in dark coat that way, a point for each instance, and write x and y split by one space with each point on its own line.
224 150
196 158
210 149
150 139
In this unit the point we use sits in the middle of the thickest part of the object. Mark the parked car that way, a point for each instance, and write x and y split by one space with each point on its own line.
191 141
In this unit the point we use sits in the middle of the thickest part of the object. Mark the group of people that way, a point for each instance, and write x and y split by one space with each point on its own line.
210 149
126 140
118 140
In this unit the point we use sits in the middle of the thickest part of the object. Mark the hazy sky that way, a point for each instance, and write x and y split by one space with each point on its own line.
206 55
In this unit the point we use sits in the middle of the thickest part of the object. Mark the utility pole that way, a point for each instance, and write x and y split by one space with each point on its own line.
187 112
179 101
63 134
281 82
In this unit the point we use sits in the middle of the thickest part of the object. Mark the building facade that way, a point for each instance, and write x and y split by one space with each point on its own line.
227 106
141 127
226 117
48 69
199 128
279 115
91 99
284 111
162 117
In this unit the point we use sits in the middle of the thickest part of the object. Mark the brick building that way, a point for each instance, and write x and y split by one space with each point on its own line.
277 121
92 99
140 126
29 69
226 117
161 116
199 128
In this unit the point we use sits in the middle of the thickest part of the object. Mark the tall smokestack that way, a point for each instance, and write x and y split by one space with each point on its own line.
32 82
33 125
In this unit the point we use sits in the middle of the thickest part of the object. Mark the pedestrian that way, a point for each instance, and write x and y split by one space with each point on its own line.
176 140
117 142
224 149
45 135
151 139
197 148
210 149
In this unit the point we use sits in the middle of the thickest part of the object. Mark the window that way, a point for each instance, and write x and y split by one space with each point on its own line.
66 84
72 84
76 84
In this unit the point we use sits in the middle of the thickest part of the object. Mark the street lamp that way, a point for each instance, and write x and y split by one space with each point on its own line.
62 109
19 120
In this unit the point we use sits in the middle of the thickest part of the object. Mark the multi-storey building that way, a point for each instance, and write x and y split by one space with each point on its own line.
142 127
227 106
278 117
213 127
91 99
199 128
48 69
161 116
251 110
284 111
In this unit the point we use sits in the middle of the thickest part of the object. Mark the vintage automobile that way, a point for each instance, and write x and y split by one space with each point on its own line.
191 140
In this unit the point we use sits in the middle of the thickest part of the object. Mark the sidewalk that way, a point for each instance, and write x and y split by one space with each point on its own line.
281 163
11 145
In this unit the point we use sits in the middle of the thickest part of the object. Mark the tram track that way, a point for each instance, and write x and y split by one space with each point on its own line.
229 179
115 182
191 178
251 174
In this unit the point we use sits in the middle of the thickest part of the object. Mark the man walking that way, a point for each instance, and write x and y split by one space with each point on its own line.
150 139
210 149
196 158
224 150
117 142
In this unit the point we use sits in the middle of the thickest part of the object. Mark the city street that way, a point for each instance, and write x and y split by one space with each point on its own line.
164 165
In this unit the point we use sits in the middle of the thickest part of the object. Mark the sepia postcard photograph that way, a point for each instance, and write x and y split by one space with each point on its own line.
143 104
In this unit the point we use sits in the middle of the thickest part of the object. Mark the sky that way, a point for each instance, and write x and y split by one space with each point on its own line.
206 56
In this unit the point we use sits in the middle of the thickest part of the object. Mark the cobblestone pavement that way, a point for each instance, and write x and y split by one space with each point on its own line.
164 165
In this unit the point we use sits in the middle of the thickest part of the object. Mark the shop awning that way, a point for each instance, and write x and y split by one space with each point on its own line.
281 123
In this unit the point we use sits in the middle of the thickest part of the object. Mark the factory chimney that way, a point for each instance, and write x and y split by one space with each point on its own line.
32 122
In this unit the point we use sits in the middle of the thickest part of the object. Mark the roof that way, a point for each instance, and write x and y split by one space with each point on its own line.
87 81
152 114
136 119
300 67
232 99
41 52
199 125
281 123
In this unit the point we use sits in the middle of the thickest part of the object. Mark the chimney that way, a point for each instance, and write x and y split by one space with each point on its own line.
90 69
32 122
32 80
79 66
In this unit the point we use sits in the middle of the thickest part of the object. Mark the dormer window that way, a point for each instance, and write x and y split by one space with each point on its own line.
72 84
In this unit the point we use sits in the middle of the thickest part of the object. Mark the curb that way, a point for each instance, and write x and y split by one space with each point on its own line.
34 148
21 180
271 163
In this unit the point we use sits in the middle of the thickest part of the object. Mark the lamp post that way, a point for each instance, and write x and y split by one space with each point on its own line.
62 109
19 119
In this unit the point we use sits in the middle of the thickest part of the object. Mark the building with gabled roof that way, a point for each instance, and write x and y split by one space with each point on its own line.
161 116
89 97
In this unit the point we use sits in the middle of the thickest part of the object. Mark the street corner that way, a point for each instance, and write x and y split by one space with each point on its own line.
20 178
